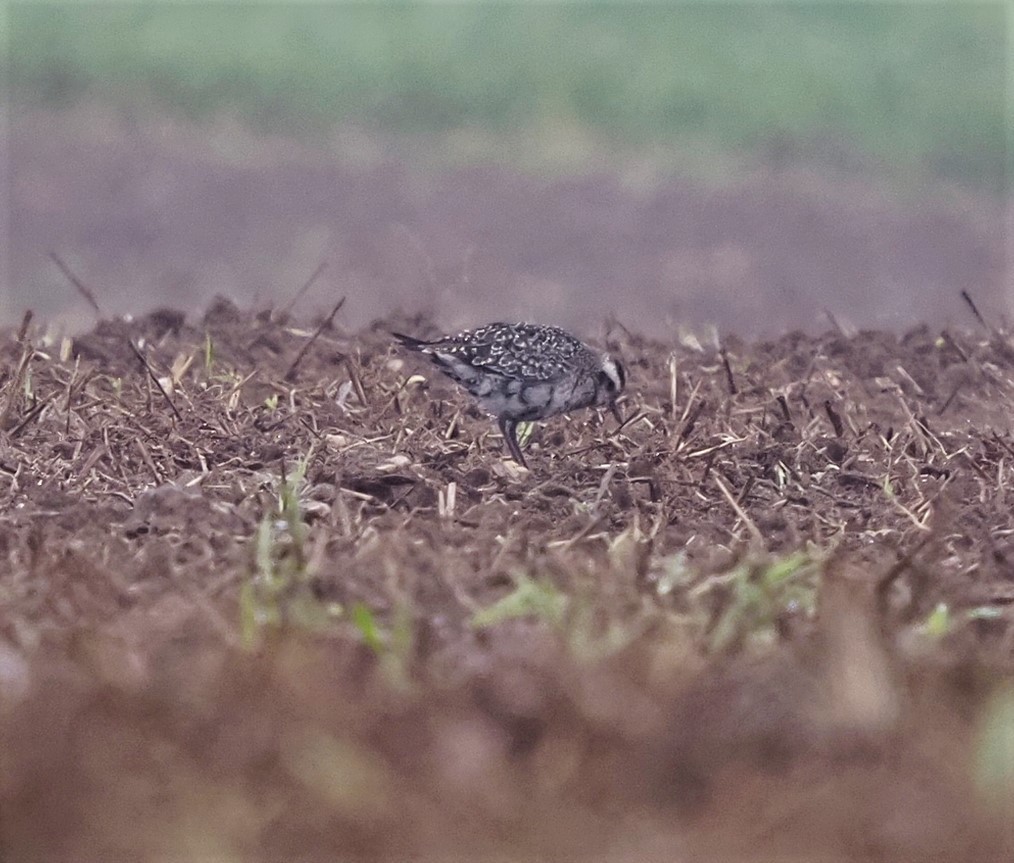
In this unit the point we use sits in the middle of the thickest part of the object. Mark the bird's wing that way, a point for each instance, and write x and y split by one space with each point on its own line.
519 351
515 356
524 367
539 354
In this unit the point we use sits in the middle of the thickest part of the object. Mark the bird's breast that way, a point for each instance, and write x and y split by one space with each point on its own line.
531 400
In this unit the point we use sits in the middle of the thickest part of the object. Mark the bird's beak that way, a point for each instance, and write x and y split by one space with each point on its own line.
615 408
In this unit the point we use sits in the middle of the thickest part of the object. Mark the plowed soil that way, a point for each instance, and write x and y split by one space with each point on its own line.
147 212
266 595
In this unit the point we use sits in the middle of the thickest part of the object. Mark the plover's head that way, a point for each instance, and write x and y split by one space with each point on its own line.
612 378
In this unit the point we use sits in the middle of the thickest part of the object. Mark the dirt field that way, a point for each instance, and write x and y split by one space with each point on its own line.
154 211
263 599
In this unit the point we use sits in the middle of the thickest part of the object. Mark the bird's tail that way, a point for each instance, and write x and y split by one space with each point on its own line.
410 342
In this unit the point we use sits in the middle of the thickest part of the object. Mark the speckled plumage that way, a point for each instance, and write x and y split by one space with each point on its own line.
520 372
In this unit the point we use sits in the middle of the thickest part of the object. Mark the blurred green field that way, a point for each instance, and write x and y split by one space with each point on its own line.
916 87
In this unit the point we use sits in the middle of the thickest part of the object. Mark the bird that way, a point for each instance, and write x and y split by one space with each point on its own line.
522 372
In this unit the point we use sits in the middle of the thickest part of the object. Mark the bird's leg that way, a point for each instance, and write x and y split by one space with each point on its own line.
509 430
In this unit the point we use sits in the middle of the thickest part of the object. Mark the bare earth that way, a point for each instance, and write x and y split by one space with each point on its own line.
272 597
263 604
154 212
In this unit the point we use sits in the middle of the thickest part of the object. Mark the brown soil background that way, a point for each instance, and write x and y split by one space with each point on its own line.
153 212
769 618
